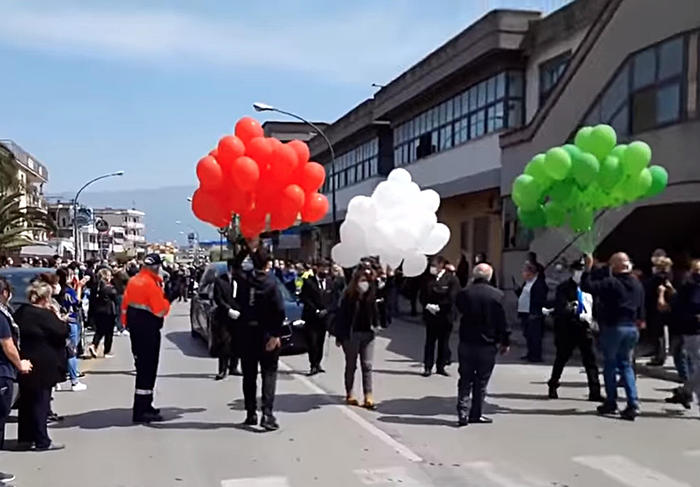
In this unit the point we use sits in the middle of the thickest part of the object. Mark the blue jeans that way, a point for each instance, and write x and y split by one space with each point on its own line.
118 327
617 343
73 361
681 360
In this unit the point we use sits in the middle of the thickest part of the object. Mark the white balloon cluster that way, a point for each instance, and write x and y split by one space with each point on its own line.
397 223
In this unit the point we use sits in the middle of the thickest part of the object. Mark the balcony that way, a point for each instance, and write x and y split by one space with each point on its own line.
133 225
27 162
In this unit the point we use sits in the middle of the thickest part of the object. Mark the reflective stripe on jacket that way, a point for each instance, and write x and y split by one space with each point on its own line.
144 292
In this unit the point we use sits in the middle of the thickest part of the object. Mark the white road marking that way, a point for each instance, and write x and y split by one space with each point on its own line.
397 446
488 472
387 477
628 472
256 482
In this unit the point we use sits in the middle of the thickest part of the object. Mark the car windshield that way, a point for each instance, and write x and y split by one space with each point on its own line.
19 282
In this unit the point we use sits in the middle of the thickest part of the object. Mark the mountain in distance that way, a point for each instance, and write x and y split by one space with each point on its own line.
163 207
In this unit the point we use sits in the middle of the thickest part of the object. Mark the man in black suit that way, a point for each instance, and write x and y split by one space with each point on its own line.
316 296
532 298
438 298
482 332
224 323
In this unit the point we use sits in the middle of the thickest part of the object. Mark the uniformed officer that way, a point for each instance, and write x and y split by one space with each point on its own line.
572 329
262 315
144 308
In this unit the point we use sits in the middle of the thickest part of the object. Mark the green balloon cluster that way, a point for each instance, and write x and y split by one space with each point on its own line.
568 184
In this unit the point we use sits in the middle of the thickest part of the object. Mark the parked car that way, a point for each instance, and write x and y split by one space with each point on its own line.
202 309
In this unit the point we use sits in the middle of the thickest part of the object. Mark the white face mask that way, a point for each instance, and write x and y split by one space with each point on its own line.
247 264
577 276
56 289
433 270
363 286
380 285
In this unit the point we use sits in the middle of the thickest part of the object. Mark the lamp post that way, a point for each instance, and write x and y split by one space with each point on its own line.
75 208
263 107
196 237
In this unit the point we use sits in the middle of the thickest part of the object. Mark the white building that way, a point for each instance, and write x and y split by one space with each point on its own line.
128 227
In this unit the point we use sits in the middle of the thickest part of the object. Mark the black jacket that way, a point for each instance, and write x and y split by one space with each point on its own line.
538 294
621 297
315 299
443 292
261 302
354 314
566 305
43 337
483 317
686 308
223 327
105 301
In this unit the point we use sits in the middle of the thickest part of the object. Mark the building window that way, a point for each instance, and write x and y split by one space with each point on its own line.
485 107
550 72
647 90
354 166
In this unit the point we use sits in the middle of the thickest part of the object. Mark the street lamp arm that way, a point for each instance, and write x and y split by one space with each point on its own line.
77 195
310 124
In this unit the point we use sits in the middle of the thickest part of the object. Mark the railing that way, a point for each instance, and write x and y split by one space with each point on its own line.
26 160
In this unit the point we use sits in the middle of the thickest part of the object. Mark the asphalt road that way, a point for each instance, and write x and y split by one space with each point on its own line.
410 440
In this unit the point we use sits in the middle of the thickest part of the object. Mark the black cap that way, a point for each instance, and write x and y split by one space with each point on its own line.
152 259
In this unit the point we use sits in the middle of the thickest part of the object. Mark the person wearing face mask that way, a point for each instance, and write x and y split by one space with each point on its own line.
355 323
438 298
620 313
224 323
658 291
316 296
572 329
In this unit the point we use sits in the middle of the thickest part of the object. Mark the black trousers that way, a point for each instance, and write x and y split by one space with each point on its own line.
228 364
254 355
34 407
315 338
476 363
104 328
437 331
655 330
6 385
145 345
568 337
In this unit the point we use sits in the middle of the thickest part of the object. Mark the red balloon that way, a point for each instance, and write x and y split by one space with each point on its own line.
315 207
292 200
252 223
209 173
268 197
229 149
239 202
207 206
312 176
248 128
214 152
284 162
301 149
245 173
282 219
260 150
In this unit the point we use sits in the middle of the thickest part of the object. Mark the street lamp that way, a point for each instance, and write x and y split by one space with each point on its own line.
264 107
196 236
75 208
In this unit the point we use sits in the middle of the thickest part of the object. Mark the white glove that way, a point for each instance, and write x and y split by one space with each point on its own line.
233 314
432 308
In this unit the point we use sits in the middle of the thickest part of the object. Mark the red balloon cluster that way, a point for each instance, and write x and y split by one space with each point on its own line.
255 176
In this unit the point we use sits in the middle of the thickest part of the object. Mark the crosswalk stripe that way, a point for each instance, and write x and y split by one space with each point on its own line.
628 472
256 482
387 477
488 472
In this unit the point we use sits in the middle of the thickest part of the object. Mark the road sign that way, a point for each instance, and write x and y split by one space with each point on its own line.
101 225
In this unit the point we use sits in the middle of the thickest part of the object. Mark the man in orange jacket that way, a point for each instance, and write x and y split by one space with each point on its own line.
144 308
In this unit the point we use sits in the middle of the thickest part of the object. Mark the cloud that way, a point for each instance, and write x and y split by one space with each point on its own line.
351 46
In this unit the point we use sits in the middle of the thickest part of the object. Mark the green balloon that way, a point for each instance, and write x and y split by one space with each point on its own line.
583 139
641 183
610 173
557 162
526 192
581 219
585 169
619 151
560 191
532 219
602 140
555 214
636 157
536 169
659 180
573 151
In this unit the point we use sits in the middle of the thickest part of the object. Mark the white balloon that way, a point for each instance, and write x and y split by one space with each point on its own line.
414 264
391 257
436 240
387 195
352 234
362 208
430 200
343 254
399 175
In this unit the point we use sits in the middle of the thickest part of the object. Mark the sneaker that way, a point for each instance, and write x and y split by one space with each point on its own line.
78 387
6 477
607 408
680 397
251 419
630 413
462 419
147 417
92 351
481 420
426 373
109 355
269 423
350 400
369 402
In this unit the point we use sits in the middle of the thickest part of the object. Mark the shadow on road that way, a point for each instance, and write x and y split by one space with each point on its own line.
116 418
295 403
188 345
183 375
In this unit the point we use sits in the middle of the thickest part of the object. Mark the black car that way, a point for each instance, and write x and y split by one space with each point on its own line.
20 278
202 309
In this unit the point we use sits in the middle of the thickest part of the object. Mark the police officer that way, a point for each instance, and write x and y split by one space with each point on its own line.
144 308
262 315
572 329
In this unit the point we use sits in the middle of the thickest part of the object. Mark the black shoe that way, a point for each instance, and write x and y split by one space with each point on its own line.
630 413
23 446
552 394
6 477
443 372
220 376
481 420
50 447
54 418
462 420
596 397
426 373
251 419
147 417
153 410
269 423
607 408
235 372
313 371
680 397
321 370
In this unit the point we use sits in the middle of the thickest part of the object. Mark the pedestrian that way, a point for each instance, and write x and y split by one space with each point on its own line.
355 325
316 296
43 341
262 315
143 311
105 313
119 280
532 299
463 270
620 314
438 298
70 307
382 298
483 332
224 323
657 292
573 317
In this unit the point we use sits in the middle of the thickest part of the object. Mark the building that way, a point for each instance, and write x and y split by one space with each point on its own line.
287 131
127 228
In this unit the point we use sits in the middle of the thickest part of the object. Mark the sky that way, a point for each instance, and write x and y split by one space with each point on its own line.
149 87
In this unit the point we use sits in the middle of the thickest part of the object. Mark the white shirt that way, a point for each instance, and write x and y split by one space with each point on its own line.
524 298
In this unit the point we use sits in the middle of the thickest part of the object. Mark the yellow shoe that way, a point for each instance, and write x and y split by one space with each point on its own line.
351 401
369 402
